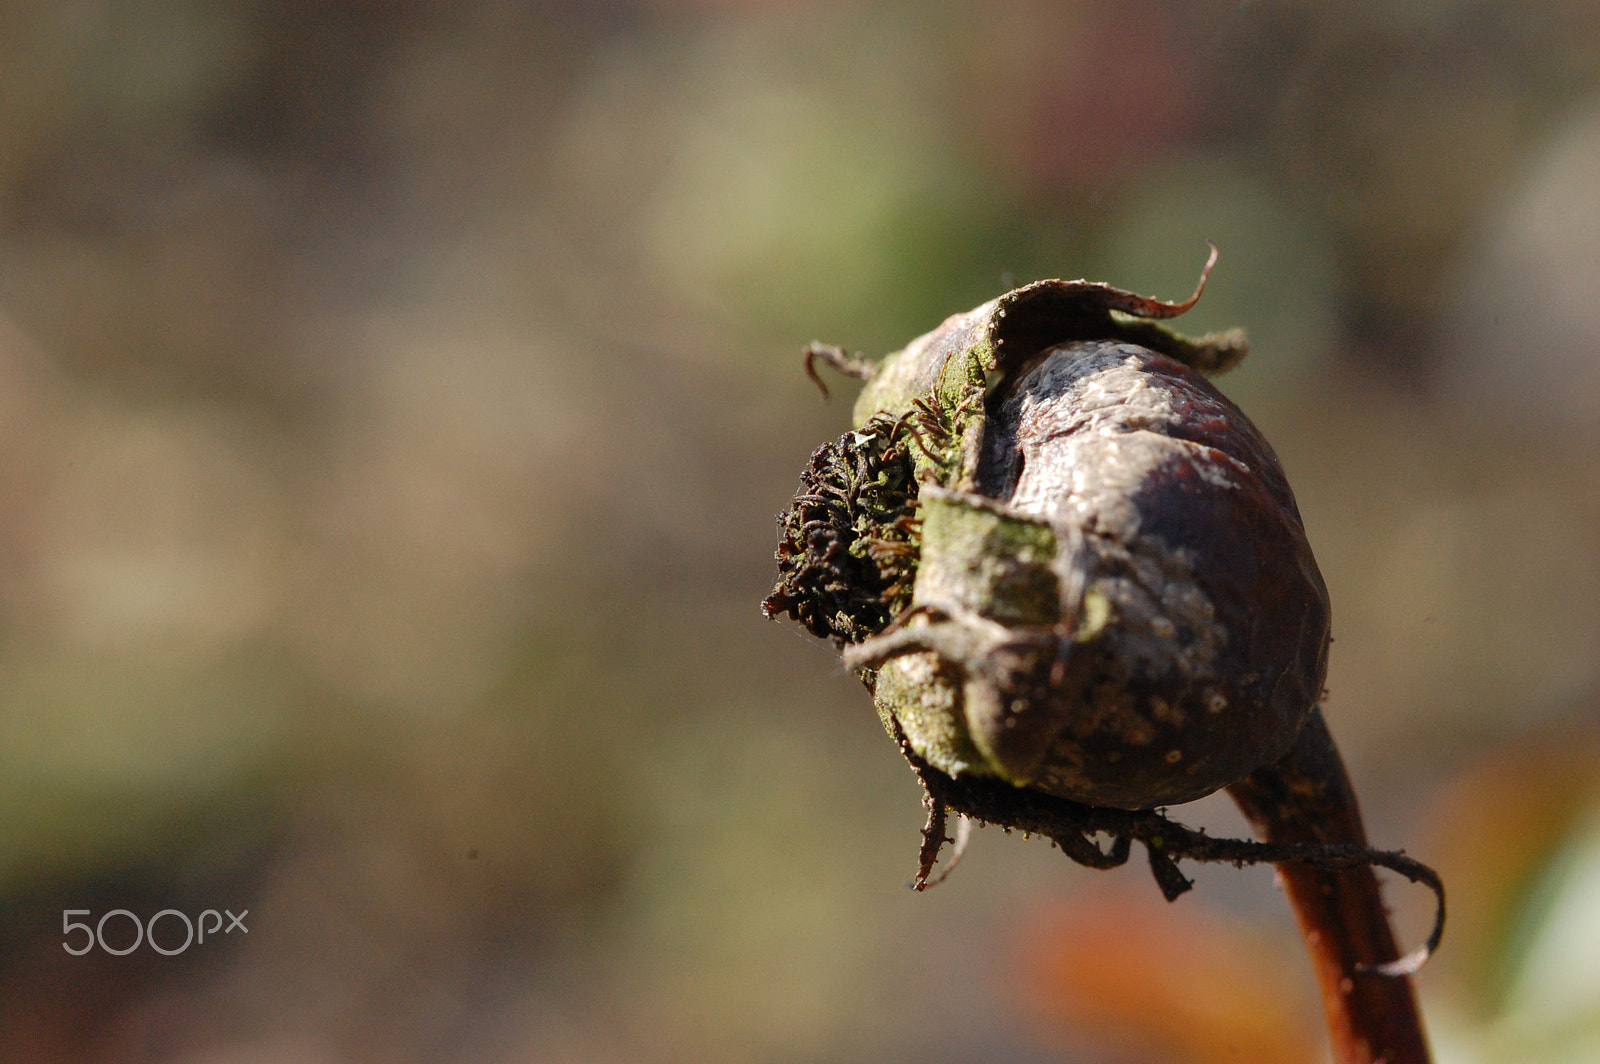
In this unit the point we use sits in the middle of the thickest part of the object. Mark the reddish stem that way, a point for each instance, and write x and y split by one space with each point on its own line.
1307 797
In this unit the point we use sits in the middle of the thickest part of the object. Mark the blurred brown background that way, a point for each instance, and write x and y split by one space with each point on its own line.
395 398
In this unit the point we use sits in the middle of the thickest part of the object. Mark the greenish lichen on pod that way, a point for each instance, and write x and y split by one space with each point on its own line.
1058 556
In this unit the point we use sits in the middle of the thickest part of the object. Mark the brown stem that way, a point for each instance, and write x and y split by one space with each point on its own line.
1307 798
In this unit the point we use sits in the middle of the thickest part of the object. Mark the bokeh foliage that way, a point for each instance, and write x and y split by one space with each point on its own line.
394 401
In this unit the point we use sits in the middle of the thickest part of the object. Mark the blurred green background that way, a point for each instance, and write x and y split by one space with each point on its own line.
394 403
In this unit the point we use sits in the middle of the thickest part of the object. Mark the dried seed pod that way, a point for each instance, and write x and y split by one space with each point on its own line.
1074 578
1114 600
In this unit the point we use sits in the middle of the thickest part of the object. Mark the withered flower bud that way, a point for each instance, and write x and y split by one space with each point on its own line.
1114 600
1074 578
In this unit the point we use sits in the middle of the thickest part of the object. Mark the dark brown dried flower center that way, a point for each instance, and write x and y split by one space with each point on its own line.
848 544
